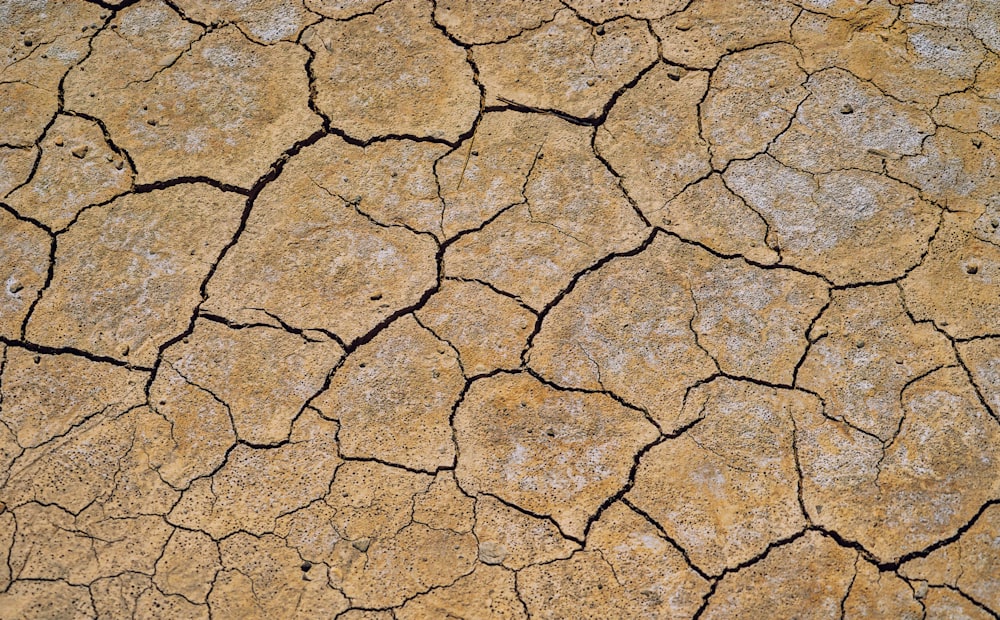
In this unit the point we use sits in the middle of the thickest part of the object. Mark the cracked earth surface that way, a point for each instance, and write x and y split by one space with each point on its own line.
400 309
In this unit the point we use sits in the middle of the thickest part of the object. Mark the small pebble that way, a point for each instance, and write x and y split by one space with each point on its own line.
846 108
362 544
976 142
475 153
600 30
81 151
119 164
492 553
306 566
591 82
58 141
124 350
860 344
675 73
972 269
16 287
995 222
28 43
151 122
684 23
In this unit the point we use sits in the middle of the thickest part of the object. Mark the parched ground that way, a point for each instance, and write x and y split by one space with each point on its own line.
393 309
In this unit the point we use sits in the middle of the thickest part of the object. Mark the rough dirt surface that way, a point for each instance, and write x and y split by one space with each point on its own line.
404 309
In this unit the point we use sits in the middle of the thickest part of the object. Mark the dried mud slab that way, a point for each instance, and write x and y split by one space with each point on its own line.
958 284
492 21
264 21
24 264
969 112
709 29
135 595
351 273
708 213
982 358
967 564
77 169
598 11
188 565
848 123
866 351
566 65
44 396
944 604
392 73
552 452
807 578
571 213
689 313
515 539
39 42
374 506
488 330
876 593
725 490
488 592
127 274
393 182
16 164
188 433
140 41
169 117
752 98
914 58
393 398
489 175
627 570
480 180
255 486
262 578
822 223
953 169
47 599
263 376
919 487
651 137
84 548
94 464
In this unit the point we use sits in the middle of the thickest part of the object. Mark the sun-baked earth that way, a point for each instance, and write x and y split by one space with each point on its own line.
404 309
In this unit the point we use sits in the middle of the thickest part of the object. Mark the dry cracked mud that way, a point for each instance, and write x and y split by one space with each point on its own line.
405 309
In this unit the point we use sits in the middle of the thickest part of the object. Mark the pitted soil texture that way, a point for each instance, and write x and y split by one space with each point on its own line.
405 309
